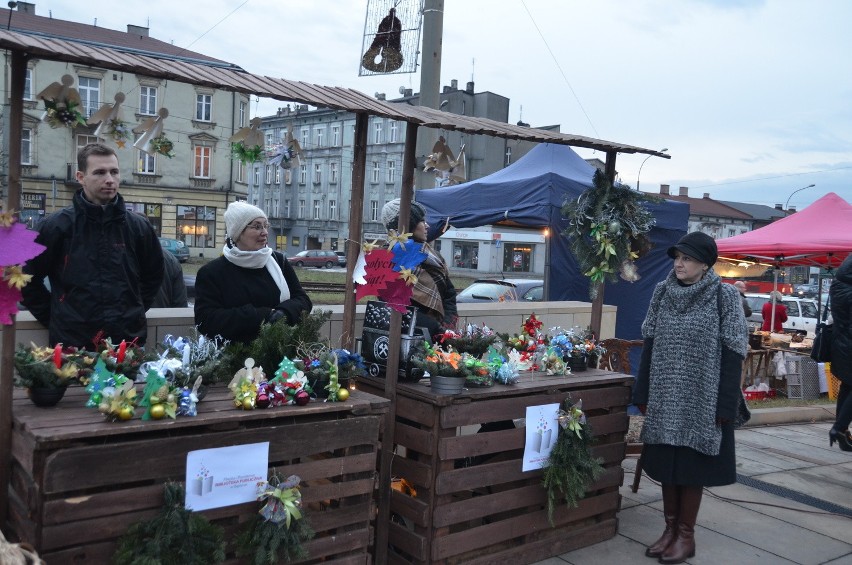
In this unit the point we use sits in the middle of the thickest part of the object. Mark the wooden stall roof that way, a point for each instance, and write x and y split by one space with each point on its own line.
235 79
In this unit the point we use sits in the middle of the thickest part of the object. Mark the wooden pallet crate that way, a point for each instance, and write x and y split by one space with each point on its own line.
79 482
473 503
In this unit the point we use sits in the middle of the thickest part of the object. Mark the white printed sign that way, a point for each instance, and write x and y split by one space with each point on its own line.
542 430
225 476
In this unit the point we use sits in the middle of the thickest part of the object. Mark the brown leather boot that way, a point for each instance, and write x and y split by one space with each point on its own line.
670 510
683 546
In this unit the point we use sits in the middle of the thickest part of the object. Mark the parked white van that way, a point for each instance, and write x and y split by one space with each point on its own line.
802 314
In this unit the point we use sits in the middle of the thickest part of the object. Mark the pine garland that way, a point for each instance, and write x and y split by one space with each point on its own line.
246 155
571 467
176 536
276 341
270 543
607 231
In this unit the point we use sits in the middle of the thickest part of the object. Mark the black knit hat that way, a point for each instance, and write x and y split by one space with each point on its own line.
697 245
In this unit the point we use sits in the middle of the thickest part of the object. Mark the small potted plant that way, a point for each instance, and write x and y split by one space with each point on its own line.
46 372
473 340
448 369
579 347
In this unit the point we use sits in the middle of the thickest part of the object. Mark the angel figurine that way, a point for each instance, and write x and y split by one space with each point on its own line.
61 101
151 130
109 121
249 136
448 169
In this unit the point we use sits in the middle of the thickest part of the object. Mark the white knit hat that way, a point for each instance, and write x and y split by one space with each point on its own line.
238 216
390 214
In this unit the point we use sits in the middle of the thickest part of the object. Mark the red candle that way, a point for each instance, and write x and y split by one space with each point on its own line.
122 349
57 355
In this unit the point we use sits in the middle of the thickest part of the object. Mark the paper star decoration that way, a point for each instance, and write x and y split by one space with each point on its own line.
379 271
367 247
401 238
408 277
360 270
397 294
408 258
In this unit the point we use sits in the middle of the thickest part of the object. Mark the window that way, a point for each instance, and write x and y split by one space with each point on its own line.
508 157
374 210
335 136
257 176
241 171
243 113
82 141
154 213
732 232
332 173
375 171
146 164
275 208
148 100
377 132
318 137
270 137
277 175
317 173
332 209
26 146
90 95
301 209
391 175
28 85
268 174
287 208
317 209
303 174
393 130
203 159
204 107
305 134
196 225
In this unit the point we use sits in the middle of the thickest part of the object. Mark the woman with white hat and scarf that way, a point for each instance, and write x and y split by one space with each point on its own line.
250 284
688 388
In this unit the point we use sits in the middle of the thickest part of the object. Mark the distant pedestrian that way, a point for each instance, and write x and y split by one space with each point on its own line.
774 313
741 287
840 296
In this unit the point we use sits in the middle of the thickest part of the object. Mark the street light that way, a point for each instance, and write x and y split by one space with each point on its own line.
795 191
643 164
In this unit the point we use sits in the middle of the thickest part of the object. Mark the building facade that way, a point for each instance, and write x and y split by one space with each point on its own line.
185 196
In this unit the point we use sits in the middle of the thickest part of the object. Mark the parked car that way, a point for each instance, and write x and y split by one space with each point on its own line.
314 258
341 258
189 283
801 312
806 290
176 247
502 290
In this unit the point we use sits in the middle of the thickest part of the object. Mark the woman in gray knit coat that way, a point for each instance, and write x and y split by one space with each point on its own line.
688 388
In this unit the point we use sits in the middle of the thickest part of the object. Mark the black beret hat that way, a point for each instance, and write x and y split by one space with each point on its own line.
697 245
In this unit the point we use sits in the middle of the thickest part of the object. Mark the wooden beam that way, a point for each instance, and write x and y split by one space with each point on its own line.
356 224
597 303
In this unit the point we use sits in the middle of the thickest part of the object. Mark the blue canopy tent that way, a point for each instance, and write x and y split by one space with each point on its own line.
531 193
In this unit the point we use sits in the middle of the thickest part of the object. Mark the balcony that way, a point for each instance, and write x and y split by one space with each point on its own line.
201 183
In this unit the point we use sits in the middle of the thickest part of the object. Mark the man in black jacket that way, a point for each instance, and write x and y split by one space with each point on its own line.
104 264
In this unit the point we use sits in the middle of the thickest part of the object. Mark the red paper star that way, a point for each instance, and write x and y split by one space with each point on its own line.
397 294
379 271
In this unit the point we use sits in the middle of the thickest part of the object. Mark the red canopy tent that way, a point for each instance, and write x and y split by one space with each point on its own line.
819 235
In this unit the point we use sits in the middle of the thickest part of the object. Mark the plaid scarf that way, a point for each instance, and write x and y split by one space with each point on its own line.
432 277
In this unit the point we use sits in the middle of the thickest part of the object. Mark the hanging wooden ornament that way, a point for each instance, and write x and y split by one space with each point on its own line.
247 143
61 104
109 121
153 141
458 170
385 53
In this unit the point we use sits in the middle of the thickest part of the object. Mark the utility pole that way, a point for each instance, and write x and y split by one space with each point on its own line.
430 83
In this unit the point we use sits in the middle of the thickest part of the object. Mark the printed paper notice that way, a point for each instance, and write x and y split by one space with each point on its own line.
225 476
542 429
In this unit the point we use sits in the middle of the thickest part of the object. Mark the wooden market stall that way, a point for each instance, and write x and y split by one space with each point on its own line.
472 503
25 47
78 482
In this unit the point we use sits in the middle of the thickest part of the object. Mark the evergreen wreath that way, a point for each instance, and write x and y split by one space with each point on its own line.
246 155
607 230
176 536
571 467
268 536
163 145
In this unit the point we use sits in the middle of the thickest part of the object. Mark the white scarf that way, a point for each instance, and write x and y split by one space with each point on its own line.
257 260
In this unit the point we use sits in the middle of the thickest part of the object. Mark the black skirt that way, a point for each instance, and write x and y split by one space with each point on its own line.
678 465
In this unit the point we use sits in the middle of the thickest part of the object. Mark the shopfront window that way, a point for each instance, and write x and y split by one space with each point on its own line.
466 254
154 213
196 225
517 257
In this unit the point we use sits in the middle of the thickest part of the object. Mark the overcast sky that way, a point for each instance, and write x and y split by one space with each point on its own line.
751 98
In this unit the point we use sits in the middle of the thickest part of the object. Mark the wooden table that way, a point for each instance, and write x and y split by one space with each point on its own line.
78 482
473 503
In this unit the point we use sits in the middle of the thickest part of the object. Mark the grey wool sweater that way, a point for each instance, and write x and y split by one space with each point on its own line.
689 326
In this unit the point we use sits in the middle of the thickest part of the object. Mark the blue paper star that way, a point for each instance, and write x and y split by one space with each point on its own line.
408 257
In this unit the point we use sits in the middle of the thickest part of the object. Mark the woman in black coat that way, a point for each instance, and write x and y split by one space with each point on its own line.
250 284
840 297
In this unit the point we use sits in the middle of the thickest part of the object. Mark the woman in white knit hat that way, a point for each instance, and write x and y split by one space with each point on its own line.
249 284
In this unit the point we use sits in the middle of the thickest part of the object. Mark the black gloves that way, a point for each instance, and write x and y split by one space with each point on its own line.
275 315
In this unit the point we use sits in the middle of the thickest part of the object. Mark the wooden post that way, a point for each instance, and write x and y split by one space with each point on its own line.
392 369
13 204
597 303
356 221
